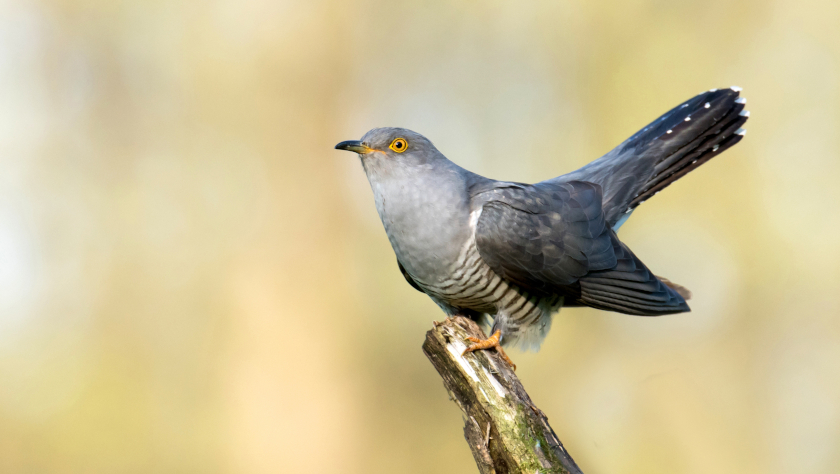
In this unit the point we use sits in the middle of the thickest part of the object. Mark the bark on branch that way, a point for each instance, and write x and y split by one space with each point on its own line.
505 431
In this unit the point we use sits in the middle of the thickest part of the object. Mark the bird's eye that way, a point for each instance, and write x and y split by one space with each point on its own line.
399 145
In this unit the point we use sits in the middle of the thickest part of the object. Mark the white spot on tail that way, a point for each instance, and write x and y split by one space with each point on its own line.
712 90
736 88
745 113
741 132
715 148
741 100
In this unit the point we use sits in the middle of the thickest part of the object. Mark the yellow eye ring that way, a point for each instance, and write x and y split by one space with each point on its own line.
399 145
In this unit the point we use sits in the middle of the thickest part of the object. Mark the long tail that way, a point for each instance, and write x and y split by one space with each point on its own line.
667 149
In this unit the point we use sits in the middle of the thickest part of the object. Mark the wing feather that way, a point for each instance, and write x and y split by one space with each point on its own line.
553 238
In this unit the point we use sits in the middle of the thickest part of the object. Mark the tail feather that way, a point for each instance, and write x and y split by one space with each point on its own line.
723 134
667 149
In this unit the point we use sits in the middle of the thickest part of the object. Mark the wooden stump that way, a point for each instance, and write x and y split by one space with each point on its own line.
505 431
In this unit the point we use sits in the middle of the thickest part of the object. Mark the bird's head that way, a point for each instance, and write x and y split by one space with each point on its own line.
384 149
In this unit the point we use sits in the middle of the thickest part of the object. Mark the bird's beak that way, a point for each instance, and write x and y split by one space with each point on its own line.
354 145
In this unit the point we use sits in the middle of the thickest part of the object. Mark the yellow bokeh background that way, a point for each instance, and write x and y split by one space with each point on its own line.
193 281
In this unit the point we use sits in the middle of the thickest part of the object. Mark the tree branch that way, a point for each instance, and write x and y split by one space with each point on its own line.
505 431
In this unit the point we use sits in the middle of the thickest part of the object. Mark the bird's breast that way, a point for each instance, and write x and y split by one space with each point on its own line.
427 225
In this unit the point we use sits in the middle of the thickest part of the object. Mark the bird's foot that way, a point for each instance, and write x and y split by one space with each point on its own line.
491 342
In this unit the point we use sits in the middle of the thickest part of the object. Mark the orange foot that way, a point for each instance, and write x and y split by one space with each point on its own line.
491 342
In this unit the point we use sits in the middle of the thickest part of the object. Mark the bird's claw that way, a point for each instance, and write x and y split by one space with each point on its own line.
491 342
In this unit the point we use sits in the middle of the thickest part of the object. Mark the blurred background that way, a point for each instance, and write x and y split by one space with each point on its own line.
193 280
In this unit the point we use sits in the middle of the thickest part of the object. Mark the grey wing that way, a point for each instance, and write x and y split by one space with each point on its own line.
630 287
553 238
542 237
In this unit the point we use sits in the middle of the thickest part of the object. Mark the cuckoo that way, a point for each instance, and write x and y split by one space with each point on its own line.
509 255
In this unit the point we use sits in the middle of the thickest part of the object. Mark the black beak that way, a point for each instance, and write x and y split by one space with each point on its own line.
354 146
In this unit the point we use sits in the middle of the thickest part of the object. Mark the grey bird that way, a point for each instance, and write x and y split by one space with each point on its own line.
510 255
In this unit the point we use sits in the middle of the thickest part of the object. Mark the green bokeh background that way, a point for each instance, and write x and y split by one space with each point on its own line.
193 281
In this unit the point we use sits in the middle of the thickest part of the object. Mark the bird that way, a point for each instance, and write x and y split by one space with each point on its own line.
509 255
